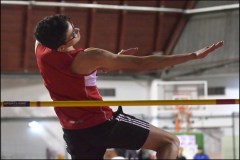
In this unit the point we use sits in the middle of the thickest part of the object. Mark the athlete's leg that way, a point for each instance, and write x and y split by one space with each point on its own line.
165 144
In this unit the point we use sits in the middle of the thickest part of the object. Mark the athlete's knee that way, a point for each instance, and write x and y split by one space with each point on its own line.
170 146
159 138
175 141
171 142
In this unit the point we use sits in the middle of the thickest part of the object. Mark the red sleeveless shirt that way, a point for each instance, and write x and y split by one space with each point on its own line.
63 85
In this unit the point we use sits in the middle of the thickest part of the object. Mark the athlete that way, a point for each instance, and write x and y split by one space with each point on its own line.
69 73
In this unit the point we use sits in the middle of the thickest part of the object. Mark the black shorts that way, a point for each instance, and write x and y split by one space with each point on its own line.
122 131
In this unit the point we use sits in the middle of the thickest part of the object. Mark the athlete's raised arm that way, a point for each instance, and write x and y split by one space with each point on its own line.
94 58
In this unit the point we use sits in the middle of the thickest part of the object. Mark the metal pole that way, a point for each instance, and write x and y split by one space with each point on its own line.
96 6
233 135
212 9
124 7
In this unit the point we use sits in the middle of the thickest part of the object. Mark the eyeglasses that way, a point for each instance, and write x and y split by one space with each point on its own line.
74 33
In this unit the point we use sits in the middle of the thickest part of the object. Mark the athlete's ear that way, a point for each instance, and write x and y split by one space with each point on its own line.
61 48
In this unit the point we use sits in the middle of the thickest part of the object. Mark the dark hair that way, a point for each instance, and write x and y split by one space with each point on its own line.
51 31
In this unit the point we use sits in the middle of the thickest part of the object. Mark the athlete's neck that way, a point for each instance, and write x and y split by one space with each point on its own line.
68 49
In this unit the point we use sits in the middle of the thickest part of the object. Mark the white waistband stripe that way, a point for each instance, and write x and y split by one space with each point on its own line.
136 122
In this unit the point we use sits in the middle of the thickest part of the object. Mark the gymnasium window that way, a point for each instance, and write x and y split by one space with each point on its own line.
107 92
216 91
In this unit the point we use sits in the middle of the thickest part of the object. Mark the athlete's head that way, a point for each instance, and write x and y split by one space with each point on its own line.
56 32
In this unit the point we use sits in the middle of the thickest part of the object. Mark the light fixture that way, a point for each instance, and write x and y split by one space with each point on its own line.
35 126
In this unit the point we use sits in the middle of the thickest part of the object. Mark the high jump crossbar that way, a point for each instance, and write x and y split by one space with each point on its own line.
117 103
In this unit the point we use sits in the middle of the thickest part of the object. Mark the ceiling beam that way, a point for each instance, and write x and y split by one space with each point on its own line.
178 30
121 7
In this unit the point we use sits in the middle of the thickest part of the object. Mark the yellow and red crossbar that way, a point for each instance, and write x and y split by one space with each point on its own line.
117 103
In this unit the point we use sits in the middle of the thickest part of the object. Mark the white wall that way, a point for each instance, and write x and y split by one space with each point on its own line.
222 136
19 141
230 81
31 88
231 84
129 90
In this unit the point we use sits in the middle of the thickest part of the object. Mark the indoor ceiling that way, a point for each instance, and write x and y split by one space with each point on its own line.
155 27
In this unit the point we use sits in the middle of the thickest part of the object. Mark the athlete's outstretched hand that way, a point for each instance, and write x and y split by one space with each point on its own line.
206 50
130 51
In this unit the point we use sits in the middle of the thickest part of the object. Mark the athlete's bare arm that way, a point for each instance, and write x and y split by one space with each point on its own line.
94 58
